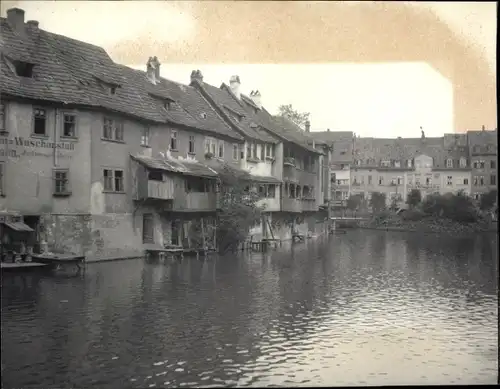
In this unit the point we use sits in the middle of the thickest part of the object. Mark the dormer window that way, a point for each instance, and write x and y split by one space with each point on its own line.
112 90
463 162
23 69
203 115
449 163
409 163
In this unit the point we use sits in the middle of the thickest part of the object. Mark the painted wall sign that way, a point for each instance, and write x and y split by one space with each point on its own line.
37 143
18 147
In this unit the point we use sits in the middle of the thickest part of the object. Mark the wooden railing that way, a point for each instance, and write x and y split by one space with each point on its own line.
195 202
291 205
159 190
309 205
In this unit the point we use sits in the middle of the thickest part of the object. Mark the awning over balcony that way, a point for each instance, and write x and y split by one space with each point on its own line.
265 179
187 168
221 167
18 226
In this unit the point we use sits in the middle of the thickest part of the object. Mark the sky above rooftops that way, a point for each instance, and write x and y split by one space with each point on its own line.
370 99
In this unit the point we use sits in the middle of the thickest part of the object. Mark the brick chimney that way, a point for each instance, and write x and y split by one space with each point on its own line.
15 17
256 98
234 83
153 70
196 75
308 126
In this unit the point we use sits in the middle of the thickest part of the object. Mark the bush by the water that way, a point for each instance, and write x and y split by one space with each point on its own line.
413 215
456 207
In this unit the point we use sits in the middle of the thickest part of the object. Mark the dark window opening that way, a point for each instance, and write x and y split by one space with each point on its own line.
69 125
24 69
173 140
191 144
40 121
147 228
155 175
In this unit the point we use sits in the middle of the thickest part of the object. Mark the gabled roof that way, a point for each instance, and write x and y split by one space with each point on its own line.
228 106
293 133
187 168
52 80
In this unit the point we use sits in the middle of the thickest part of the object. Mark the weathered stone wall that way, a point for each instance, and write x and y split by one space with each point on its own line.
115 236
66 233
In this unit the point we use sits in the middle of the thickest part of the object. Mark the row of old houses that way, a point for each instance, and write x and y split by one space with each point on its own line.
455 162
102 159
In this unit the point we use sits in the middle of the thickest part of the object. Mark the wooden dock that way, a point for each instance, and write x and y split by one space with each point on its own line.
21 266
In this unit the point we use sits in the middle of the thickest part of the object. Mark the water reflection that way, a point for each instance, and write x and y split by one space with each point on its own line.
362 308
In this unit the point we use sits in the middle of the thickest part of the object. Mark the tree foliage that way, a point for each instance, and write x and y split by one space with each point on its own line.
299 118
457 207
377 201
354 202
238 210
488 200
414 198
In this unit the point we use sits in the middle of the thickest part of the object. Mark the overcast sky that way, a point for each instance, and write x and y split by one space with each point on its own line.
371 99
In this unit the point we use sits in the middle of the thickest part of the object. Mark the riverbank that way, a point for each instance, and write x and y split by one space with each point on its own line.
429 225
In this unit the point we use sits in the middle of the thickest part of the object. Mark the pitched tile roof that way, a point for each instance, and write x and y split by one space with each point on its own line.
289 131
75 72
187 168
188 107
229 107
329 137
483 142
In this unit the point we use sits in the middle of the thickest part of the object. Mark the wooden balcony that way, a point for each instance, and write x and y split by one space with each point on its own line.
290 174
309 205
160 190
291 205
269 204
195 202
299 177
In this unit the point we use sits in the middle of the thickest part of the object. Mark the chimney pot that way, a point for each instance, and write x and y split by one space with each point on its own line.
153 69
196 75
234 83
308 126
482 127
256 98
15 17
32 24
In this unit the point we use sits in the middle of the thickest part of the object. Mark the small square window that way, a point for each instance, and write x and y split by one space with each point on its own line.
235 151
145 137
119 131
69 125
61 183
2 116
191 149
221 149
173 140
40 122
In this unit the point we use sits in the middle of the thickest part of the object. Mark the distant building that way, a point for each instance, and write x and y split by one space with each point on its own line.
483 151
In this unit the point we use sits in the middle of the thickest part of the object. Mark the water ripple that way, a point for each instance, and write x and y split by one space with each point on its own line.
362 309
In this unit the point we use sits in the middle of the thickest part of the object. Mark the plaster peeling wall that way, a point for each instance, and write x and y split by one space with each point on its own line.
97 204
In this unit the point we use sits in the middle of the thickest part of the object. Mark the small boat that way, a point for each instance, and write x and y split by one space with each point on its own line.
57 261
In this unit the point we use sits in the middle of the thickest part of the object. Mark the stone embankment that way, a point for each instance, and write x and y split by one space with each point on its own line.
430 225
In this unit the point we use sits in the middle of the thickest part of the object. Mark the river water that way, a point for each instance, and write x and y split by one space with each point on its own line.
364 308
